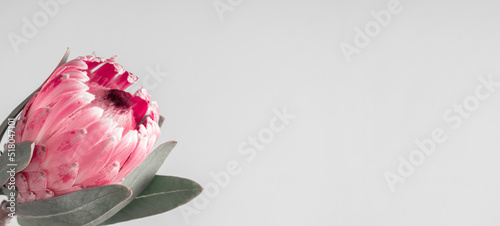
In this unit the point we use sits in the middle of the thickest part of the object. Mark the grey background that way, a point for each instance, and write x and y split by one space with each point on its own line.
223 76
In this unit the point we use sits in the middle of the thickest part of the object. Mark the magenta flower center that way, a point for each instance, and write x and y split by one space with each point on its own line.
121 100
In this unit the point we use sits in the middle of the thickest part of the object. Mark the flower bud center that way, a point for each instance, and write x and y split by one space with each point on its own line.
120 99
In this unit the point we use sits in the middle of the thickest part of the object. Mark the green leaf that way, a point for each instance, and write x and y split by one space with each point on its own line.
160 121
23 153
77 208
5 191
63 60
164 193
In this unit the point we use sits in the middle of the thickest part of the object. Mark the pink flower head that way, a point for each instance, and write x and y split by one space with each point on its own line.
88 131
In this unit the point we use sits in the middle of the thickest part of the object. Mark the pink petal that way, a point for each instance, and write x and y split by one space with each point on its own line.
154 111
153 132
19 130
35 123
61 112
27 108
37 159
90 165
151 142
103 177
125 147
142 130
76 64
124 80
118 132
45 194
139 108
143 94
37 180
21 183
26 196
96 132
104 74
62 147
76 75
91 61
85 117
62 85
153 129
136 158
63 176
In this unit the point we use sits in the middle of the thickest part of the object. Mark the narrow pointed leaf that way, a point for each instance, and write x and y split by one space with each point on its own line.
164 193
63 60
77 208
23 153
160 121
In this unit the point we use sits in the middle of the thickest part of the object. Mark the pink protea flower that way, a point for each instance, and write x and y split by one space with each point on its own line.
87 130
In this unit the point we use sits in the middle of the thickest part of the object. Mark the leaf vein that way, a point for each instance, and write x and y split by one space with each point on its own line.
163 193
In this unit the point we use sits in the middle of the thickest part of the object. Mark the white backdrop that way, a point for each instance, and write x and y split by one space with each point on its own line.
391 110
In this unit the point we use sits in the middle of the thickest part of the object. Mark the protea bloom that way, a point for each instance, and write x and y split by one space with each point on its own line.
87 130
